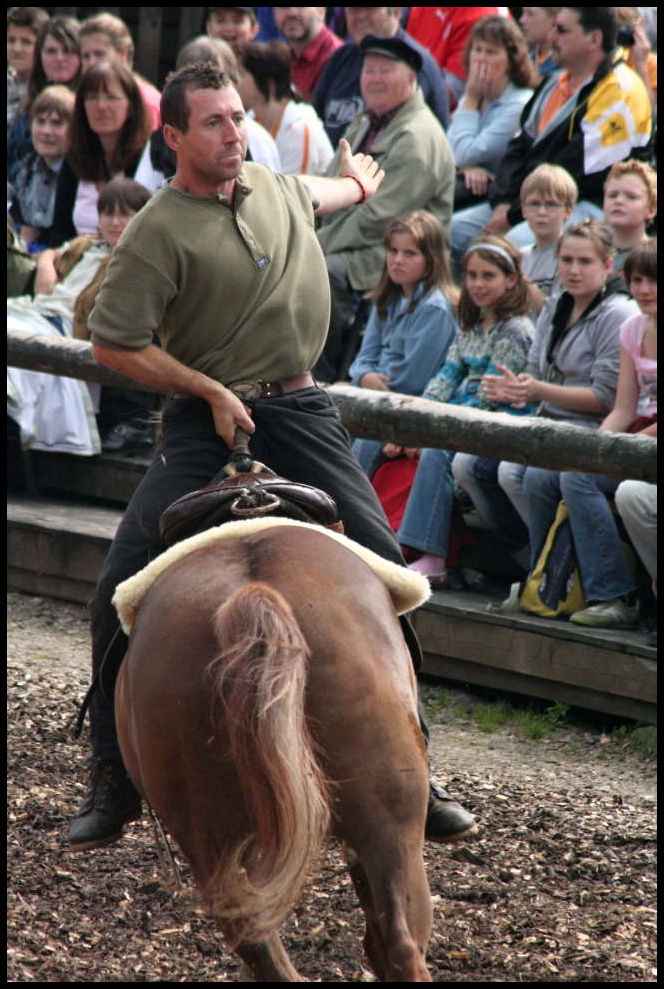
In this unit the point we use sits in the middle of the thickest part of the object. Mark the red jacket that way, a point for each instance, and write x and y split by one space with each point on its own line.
445 31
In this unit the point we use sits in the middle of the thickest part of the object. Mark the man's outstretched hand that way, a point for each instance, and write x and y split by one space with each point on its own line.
363 167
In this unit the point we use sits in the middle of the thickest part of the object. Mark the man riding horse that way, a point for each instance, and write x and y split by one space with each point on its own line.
224 263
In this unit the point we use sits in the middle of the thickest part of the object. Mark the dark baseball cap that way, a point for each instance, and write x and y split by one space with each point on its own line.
393 48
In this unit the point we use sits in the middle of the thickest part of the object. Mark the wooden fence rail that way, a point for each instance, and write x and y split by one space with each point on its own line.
405 420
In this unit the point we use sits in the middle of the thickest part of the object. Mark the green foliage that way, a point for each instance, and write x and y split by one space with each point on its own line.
489 717
642 740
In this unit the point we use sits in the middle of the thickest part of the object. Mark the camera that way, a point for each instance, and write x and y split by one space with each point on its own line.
625 37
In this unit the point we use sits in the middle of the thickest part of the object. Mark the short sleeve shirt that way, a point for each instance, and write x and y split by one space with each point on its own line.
236 291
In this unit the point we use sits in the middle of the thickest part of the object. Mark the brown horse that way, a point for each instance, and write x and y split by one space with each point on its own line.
268 699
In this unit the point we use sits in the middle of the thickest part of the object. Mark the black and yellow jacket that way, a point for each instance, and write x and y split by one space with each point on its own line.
608 120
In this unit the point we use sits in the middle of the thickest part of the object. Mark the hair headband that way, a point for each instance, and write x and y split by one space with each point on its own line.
493 249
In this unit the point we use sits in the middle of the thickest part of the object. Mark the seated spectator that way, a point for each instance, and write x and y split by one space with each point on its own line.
265 90
571 377
109 131
630 206
57 61
36 180
494 332
608 579
104 36
401 133
565 124
54 412
23 25
312 44
636 503
158 161
444 31
636 49
499 82
412 321
548 197
338 98
234 25
537 26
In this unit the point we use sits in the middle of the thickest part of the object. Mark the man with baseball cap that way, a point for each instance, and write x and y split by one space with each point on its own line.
399 130
337 97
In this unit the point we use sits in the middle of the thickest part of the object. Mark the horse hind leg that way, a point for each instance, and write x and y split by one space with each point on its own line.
394 894
268 961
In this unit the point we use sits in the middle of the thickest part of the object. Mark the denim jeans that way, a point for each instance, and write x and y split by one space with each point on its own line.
478 476
510 479
368 454
427 519
299 436
603 565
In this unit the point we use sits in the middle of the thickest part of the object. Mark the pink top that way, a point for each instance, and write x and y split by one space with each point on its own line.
631 338
152 100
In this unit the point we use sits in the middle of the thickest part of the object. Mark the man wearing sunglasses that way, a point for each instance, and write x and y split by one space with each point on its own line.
586 117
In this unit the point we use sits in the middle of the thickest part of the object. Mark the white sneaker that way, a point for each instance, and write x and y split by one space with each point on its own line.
608 614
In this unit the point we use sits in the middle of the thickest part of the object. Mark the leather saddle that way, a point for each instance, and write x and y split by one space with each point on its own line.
248 489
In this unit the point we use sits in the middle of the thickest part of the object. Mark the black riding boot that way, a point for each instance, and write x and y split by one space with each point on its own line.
111 801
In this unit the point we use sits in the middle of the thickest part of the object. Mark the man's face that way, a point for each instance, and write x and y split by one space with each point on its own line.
214 146
380 21
573 48
231 25
385 83
299 23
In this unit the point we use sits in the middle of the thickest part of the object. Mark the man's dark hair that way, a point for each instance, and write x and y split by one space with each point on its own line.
175 109
599 19
269 62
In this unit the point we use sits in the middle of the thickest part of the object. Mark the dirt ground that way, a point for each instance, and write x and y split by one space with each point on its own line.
559 886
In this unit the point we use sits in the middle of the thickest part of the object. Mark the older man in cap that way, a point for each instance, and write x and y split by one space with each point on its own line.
337 97
407 140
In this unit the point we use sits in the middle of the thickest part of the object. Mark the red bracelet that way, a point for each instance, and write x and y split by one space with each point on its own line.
362 189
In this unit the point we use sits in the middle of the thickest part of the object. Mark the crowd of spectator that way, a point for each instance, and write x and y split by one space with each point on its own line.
507 262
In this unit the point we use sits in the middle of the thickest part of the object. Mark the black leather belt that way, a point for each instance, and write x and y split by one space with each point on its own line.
250 390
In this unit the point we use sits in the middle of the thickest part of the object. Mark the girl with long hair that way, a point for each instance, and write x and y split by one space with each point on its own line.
412 320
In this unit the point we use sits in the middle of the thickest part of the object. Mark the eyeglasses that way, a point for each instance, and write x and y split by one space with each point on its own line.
549 206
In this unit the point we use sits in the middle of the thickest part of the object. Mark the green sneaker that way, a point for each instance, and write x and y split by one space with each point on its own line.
608 614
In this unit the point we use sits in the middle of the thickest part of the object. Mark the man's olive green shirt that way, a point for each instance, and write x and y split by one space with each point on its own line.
236 291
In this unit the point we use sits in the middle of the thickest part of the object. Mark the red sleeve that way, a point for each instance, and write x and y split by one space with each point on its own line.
445 31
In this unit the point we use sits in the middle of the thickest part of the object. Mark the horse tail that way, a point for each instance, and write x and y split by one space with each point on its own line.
260 680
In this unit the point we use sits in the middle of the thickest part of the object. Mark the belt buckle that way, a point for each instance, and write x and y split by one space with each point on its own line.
247 391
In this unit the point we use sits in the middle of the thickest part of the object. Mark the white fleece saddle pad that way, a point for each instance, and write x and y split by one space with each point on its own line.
407 589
